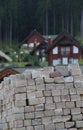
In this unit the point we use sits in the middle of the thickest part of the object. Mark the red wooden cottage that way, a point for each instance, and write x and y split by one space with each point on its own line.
34 39
40 50
64 49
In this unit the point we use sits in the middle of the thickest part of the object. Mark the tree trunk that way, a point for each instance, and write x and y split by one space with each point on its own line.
81 24
71 24
67 23
10 31
46 22
6 33
0 31
54 22
63 22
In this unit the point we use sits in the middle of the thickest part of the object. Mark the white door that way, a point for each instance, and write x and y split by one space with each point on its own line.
55 62
65 60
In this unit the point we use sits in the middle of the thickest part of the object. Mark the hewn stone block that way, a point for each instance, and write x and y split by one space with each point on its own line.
49 113
68 79
21 83
55 92
39 107
75 110
40 87
46 120
20 103
64 92
36 74
39 94
69 124
69 85
30 128
60 86
59 125
58 111
31 82
50 86
49 100
19 116
47 93
65 98
21 128
33 101
18 123
79 90
79 124
21 90
50 127
59 80
72 91
75 97
27 122
66 118
60 105
49 106
29 109
17 110
57 119
21 96
66 111
57 99
39 127
39 114
79 103
37 121
77 117
29 115
39 81
49 80
70 104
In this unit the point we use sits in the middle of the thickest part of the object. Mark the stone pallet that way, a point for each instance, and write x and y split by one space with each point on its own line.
34 101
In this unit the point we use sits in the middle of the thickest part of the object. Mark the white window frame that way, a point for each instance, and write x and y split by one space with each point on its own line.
55 50
75 50
31 45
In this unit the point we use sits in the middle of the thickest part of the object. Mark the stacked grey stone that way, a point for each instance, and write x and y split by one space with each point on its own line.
34 101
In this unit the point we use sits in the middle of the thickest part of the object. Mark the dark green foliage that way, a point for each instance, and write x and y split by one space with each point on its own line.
19 17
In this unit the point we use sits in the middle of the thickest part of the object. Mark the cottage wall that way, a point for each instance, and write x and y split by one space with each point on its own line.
34 101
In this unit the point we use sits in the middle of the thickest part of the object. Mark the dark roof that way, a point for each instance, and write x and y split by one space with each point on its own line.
32 33
57 41
42 45
6 72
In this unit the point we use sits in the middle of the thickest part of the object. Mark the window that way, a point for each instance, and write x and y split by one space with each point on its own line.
55 50
72 60
65 60
56 62
37 53
65 50
75 61
31 44
75 50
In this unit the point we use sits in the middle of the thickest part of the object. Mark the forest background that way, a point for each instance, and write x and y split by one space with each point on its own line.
49 17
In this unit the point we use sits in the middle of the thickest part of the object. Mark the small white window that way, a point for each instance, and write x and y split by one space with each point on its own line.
65 60
37 53
75 50
55 50
56 62
43 58
75 61
31 44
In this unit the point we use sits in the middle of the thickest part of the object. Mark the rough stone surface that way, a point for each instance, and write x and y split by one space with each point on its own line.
43 100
